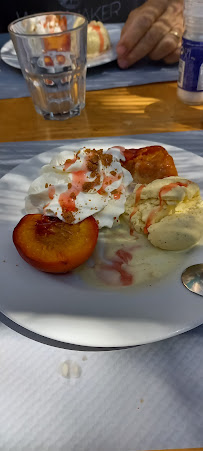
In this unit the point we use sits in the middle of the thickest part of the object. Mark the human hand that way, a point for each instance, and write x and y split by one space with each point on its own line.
155 30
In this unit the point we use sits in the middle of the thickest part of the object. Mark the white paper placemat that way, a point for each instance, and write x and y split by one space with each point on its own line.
149 397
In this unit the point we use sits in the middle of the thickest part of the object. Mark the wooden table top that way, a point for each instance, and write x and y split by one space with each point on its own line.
124 111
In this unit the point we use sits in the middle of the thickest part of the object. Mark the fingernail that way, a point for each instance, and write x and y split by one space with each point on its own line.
123 64
121 50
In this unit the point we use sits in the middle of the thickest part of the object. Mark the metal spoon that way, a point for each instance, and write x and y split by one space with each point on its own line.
192 278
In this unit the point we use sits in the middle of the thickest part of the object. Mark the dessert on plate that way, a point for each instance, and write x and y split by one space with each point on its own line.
79 184
149 163
49 24
169 211
51 245
98 40
126 208
76 194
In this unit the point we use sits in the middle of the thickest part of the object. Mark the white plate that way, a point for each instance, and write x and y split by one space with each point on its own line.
9 56
64 308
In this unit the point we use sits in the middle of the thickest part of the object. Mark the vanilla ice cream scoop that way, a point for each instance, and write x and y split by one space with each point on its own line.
169 211
98 39
79 184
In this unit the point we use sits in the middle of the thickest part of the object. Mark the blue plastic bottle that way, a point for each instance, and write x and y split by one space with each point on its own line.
190 81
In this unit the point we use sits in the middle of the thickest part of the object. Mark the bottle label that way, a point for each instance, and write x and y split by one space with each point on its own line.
191 66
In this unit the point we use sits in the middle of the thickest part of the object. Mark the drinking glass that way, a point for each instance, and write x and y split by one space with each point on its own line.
52 52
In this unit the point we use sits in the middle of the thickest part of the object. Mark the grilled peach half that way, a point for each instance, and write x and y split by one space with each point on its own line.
54 246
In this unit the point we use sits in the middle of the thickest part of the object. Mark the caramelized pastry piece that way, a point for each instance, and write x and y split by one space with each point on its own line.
149 163
57 42
54 246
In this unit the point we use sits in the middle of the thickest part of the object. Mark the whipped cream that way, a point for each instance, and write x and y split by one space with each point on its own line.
79 184
43 25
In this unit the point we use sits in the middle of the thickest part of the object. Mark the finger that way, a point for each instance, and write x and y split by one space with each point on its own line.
149 41
138 23
166 46
173 57
128 21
